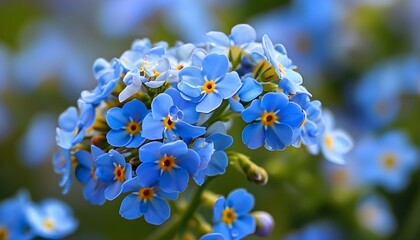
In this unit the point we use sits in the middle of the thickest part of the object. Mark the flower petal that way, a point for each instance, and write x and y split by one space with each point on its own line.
175 180
161 105
152 129
175 149
150 152
117 118
278 136
215 65
118 138
209 102
253 135
272 102
148 174
130 207
229 84
253 112
158 211
243 33
241 201
189 161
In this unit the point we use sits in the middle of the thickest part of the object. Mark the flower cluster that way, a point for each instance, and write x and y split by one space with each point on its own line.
22 219
159 116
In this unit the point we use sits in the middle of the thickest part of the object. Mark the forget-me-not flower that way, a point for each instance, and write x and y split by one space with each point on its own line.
271 122
231 216
112 169
211 84
167 165
126 124
147 201
166 121
93 190
51 219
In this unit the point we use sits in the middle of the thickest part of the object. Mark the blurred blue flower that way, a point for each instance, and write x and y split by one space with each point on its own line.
145 200
373 213
112 169
188 18
51 219
317 230
168 165
231 216
47 53
211 84
334 143
37 143
13 222
271 122
377 95
93 190
166 121
125 124
308 30
391 160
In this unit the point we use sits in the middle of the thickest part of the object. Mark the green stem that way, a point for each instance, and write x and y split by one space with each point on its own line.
217 113
179 224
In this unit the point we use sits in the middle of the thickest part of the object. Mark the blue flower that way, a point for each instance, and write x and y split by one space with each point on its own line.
51 219
210 85
272 120
373 212
113 170
377 95
94 190
231 216
290 81
108 75
183 55
150 69
334 143
250 89
166 121
317 230
213 236
204 148
242 35
37 143
168 164
125 124
391 160
13 222
145 200
308 132
221 141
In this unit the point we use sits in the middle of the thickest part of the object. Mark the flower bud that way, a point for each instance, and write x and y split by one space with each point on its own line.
265 223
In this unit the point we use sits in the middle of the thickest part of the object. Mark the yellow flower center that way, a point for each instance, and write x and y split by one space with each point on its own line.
4 233
268 118
389 161
329 141
168 124
167 163
209 86
228 216
146 193
179 66
119 173
49 224
133 127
